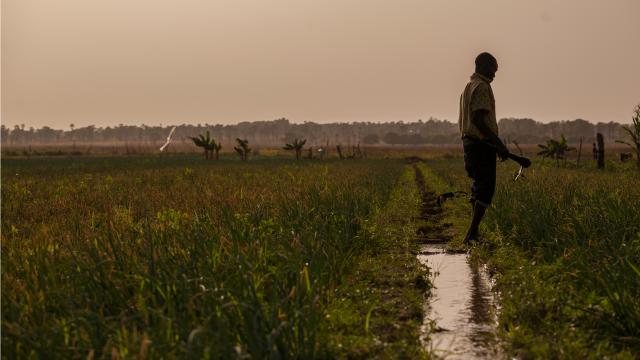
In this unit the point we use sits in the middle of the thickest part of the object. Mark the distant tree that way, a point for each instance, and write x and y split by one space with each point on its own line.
243 149
634 134
439 139
371 139
46 134
4 137
391 138
209 145
524 138
564 147
140 134
549 150
415 139
289 137
455 138
508 136
30 135
217 147
545 138
555 148
89 133
16 135
154 135
576 139
297 146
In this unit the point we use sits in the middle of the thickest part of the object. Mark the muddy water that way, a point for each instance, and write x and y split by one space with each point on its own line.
461 305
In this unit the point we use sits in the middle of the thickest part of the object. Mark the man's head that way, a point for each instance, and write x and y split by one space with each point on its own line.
486 65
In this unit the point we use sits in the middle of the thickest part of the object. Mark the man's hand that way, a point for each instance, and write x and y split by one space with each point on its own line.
477 118
503 152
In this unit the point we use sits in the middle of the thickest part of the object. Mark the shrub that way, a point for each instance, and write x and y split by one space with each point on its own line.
371 139
392 138
415 139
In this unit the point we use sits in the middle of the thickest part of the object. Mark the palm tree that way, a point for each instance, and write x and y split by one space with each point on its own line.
555 148
563 147
209 145
243 149
297 146
634 135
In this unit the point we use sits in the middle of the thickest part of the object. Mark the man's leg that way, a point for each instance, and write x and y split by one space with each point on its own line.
480 163
478 214
473 206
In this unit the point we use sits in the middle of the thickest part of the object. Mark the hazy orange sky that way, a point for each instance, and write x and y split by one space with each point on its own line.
106 62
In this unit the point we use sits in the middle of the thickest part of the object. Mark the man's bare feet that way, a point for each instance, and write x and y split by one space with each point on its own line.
472 233
468 240
478 239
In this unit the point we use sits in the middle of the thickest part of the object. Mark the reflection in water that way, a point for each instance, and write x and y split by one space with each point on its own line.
460 305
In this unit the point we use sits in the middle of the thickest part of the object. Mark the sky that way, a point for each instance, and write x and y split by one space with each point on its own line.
133 62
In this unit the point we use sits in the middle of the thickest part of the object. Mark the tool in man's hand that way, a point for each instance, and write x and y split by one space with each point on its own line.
517 176
523 161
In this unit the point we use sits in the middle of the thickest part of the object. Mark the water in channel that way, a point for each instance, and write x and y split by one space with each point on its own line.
461 305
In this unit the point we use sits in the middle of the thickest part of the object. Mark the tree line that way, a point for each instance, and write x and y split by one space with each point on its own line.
279 131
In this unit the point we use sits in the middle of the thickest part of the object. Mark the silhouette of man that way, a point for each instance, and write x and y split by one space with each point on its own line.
595 152
478 120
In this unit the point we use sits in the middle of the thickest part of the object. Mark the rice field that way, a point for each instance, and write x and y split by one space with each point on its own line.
178 258
564 245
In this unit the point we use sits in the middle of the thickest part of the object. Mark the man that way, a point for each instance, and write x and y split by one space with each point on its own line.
478 121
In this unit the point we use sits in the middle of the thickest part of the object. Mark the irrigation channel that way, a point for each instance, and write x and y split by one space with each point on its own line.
461 302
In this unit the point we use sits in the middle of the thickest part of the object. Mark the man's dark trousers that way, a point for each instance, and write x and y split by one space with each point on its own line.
480 164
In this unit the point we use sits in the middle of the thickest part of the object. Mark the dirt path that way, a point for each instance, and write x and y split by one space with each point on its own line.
459 306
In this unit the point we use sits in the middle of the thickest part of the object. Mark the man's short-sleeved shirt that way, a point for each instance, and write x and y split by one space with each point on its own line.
477 95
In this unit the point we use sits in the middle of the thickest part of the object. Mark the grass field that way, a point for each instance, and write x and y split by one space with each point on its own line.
181 258
564 245
173 258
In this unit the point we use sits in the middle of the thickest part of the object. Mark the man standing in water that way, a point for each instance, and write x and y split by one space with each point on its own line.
478 121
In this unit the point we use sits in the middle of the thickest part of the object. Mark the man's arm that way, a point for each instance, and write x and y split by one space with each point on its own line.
477 118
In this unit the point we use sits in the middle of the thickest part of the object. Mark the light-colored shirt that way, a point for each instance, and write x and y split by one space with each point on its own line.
477 95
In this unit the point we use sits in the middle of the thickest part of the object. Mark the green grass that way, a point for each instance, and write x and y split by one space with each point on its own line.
564 246
181 258
376 313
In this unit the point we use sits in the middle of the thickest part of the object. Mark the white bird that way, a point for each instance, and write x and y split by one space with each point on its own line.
169 138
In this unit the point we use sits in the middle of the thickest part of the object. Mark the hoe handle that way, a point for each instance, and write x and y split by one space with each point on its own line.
523 161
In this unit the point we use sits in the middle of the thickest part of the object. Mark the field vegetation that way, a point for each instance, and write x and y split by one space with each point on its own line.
184 258
564 245
177 257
